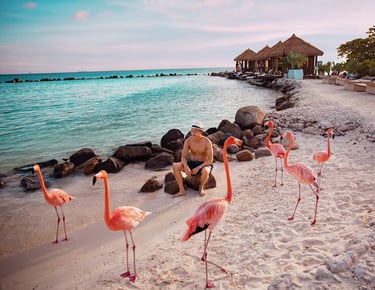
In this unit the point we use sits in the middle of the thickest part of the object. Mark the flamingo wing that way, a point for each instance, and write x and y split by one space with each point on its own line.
126 218
206 216
57 197
277 150
321 156
301 172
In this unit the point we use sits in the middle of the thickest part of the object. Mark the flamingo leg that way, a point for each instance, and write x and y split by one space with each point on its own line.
282 172
316 204
127 273
298 200
66 237
204 259
132 278
274 185
58 223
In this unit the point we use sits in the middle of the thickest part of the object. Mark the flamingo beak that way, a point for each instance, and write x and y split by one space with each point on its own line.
94 180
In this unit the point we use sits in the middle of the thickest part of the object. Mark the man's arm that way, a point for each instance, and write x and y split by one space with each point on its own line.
209 154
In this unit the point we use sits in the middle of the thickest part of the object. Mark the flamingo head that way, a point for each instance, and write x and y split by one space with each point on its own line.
269 124
331 133
288 135
233 141
102 174
35 168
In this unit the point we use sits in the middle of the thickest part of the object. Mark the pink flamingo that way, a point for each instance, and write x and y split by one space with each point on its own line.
55 197
322 156
303 174
208 215
124 218
277 150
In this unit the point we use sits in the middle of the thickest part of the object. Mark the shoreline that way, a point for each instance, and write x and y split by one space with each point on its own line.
257 244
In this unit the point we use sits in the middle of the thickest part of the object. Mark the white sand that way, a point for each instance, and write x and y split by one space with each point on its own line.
254 241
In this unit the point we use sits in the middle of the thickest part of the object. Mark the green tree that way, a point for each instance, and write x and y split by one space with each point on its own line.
359 54
296 60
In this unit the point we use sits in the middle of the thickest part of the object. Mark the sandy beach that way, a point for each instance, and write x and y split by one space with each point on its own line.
254 241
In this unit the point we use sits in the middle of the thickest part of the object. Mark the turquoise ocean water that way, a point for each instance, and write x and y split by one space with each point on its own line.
53 119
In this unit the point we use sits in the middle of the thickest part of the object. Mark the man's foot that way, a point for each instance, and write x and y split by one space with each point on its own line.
202 193
178 194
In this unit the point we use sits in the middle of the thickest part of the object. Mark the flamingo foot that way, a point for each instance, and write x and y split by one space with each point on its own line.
313 222
210 285
274 185
281 184
125 275
66 239
291 218
55 242
319 174
132 278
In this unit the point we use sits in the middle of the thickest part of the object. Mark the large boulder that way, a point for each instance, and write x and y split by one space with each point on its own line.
133 153
195 181
171 185
172 140
89 166
248 117
151 185
111 165
231 128
63 169
81 156
160 161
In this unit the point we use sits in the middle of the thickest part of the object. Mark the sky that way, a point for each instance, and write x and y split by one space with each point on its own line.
84 35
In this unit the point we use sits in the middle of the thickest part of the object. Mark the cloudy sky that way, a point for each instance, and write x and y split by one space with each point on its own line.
86 35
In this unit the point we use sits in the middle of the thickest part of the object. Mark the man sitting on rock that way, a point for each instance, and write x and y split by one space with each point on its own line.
196 158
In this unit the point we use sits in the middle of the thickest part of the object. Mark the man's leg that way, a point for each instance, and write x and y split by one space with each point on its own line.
205 173
177 168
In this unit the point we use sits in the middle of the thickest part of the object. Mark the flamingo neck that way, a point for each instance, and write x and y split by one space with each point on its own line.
227 173
42 185
269 137
107 202
287 152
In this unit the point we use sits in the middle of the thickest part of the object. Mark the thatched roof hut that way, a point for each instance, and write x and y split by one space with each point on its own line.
268 57
245 60
294 44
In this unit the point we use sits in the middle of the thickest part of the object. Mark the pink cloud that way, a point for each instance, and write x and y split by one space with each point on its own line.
80 15
30 5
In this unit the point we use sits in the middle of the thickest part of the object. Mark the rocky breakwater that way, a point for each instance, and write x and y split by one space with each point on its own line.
248 126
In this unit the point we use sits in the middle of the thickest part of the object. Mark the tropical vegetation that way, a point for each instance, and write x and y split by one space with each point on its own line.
359 55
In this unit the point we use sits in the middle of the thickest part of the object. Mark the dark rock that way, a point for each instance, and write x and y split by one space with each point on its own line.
160 161
216 137
88 166
171 185
133 153
172 140
231 128
42 164
151 185
31 182
224 137
111 165
81 156
63 169
262 152
194 182
244 155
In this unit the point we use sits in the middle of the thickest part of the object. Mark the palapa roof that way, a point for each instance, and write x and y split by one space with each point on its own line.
262 54
247 55
294 44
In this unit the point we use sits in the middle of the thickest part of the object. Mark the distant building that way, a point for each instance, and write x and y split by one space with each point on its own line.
268 58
